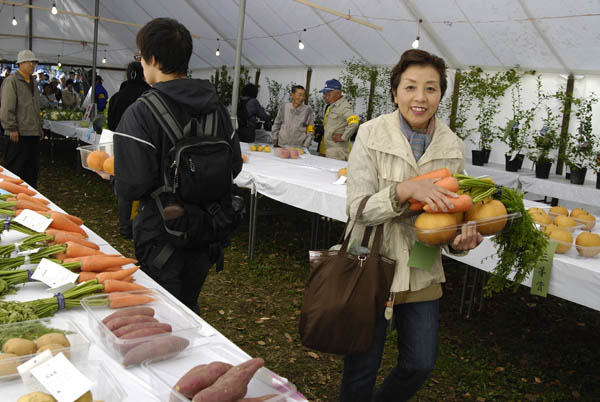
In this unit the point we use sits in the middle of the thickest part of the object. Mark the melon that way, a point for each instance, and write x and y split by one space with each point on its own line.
435 228
109 165
95 159
487 210
563 238
588 244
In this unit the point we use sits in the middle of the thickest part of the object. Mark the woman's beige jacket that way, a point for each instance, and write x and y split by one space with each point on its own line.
381 158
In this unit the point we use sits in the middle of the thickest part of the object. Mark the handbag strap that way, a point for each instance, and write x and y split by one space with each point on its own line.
359 212
377 240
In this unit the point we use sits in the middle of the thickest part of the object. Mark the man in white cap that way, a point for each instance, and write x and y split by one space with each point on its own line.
21 119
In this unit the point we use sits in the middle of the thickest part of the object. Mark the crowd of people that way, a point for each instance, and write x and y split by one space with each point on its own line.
388 151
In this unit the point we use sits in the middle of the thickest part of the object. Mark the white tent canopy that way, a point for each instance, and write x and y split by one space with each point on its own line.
545 35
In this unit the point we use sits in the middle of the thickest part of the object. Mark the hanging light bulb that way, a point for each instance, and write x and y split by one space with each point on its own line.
415 44
54 11
300 44
104 58
59 63
14 20
218 52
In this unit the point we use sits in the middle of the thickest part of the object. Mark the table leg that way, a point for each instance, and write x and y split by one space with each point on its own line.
483 282
464 289
314 231
252 228
472 293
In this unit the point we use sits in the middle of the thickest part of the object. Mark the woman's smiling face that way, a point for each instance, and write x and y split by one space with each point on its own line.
418 95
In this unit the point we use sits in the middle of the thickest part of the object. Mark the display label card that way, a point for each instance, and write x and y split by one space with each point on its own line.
61 379
24 370
423 256
541 273
23 253
57 277
341 180
32 220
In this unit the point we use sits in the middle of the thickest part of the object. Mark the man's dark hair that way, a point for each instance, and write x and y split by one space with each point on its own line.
250 90
135 71
46 85
421 58
297 87
69 81
169 42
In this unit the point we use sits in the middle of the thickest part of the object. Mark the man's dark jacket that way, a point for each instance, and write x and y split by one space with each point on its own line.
128 93
140 149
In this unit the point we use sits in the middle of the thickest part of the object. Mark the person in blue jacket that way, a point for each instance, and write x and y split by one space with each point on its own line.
101 96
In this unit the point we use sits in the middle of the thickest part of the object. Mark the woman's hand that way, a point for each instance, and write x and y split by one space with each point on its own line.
426 191
468 239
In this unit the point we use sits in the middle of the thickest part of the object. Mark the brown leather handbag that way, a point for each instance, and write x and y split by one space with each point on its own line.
344 295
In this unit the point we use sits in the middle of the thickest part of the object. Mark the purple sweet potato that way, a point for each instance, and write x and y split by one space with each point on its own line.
160 347
141 325
231 386
200 377
138 310
140 333
119 322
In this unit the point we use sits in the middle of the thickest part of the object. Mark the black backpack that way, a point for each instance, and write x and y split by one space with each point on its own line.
245 131
196 201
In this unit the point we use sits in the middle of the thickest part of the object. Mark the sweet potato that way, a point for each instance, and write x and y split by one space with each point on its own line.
119 322
162 347
141 325
231 386
139 333
282 152
200 377
140 310
294 154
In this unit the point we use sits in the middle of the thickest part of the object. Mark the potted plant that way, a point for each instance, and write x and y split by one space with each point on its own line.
545 140
580 148
519 127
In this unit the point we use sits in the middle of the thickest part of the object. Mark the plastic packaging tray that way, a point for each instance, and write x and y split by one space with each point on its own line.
165 374
432 236
78 351
106 388
582 224
573 250
570 229
183 323
587 225
86 150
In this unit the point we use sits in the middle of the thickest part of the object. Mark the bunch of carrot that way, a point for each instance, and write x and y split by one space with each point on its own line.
461 204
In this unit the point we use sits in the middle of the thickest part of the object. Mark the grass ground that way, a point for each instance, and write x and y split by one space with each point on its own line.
518 348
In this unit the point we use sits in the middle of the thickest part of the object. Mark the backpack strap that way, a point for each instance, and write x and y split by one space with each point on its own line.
161 111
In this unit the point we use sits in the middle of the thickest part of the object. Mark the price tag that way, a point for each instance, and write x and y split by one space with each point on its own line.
423 256
54 275
24 369
541 273
341 180
32 220
61 379
23 253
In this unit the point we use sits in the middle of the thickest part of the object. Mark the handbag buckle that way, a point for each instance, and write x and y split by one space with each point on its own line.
361 259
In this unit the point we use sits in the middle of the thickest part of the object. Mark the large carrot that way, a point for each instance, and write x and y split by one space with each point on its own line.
118 275
88 276
54 232
61 222
113 285
15 180
75 249
63 237
15 188
98 263
434 174
117 300
35 206
23 196
461 204
73 218
449 183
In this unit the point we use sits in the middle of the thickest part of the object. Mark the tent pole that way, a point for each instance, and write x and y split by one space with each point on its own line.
307 91
564 130
30 26
257 77
238 56
95 55
455 95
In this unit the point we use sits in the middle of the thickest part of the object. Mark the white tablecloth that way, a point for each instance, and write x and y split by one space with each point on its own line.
307 183
135 381
72 129
496 172
559 187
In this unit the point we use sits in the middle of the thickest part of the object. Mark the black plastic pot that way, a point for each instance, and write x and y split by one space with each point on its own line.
578 175
598 180
487 153
542 169
515 164
478 157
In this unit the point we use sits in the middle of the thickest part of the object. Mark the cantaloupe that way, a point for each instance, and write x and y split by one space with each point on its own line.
558 210
563 238
541 217
109 165
586 219
434 229
588 244
578 211
564 221
95 159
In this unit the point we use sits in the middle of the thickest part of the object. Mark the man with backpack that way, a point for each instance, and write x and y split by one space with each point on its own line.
177 153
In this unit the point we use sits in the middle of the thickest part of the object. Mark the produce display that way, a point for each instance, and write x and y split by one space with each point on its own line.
61 114
260 148
98 157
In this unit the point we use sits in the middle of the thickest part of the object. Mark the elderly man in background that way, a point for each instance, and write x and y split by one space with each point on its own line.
21 119
340 122
294 124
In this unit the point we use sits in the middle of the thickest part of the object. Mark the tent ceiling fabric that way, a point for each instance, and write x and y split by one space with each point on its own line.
564 36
